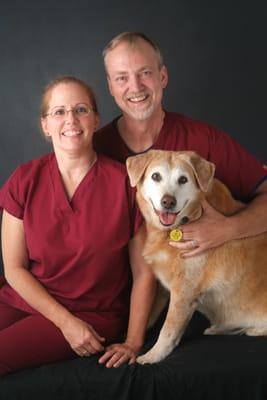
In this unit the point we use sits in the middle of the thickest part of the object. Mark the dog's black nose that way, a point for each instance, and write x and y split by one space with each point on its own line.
168 202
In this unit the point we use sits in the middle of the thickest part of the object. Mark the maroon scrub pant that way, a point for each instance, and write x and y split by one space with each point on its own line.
28 340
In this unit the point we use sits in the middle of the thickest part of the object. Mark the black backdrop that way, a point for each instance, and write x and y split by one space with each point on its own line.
215 52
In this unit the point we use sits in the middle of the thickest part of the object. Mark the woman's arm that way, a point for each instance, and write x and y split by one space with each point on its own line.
81 336
142 298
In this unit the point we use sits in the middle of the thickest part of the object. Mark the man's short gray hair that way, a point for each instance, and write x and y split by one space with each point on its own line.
132 38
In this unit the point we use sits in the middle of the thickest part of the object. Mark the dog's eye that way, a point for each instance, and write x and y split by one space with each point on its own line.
156 176
182 180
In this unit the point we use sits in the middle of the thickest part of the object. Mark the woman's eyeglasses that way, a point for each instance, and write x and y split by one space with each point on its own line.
61 112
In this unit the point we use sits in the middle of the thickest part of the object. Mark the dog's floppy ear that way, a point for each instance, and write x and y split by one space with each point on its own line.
203 169
136 166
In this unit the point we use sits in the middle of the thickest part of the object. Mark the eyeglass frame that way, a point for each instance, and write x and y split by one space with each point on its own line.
72 109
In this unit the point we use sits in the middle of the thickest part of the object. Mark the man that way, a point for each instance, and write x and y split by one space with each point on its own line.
136 78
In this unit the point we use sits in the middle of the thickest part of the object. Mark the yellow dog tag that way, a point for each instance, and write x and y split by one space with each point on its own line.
176 235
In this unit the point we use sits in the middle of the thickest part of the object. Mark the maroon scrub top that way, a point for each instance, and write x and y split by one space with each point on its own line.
77 249
235 167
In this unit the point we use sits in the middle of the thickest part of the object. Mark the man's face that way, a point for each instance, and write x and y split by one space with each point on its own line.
135 79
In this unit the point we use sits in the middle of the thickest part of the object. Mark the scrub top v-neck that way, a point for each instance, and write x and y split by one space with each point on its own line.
78 248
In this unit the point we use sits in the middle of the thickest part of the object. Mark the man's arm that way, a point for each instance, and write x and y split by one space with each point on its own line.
252 220
214 229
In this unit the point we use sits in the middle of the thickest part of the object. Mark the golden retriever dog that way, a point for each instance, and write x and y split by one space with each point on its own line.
228 284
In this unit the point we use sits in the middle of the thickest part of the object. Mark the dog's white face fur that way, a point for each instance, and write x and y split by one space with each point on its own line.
171 187
169 191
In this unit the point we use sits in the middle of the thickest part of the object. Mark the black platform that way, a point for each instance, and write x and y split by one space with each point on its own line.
200 368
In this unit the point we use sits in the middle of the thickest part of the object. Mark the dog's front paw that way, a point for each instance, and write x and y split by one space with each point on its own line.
149 358
145 360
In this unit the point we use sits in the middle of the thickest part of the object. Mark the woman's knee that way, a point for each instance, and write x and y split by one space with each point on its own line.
9 315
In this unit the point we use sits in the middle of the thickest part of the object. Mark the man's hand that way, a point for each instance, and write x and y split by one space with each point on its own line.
211 230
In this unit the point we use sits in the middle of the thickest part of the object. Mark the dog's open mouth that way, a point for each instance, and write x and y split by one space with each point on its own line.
166 218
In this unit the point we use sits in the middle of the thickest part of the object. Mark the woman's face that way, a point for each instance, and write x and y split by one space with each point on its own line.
70 120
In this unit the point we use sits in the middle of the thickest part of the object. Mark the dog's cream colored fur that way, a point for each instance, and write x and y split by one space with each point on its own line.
228 284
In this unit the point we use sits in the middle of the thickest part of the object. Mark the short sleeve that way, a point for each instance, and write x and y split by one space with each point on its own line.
136 216
239 170
10 197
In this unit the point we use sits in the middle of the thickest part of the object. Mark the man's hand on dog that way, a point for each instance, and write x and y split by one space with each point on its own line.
118 354
211 230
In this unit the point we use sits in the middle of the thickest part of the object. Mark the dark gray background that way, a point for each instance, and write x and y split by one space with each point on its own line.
215 52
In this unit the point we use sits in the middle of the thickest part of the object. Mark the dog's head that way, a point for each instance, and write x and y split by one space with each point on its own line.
170 185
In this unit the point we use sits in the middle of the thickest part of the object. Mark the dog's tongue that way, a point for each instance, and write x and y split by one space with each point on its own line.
167 218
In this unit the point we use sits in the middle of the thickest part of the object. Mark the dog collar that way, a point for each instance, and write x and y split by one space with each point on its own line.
176 235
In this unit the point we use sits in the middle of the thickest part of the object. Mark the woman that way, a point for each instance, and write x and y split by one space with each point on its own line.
67 220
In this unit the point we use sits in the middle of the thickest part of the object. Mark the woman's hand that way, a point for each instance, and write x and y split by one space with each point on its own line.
82 337
118 354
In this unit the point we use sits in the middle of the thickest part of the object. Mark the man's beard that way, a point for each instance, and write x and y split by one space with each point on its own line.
141 115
